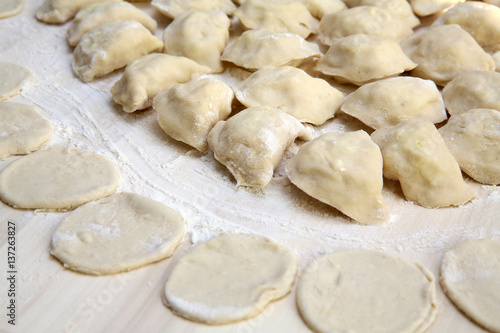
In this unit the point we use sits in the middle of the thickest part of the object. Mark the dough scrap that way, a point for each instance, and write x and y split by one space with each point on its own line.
198 35
14 79
429 7
366 291
360 59
256 272
470 277
444 51
151 74
343 170
258 48
10 8
115 234
471 90
292 90
60 11
392 101
22 129
187 112
398 8
95 14
173 8
57 179
473 137
415 154
110 46
251 143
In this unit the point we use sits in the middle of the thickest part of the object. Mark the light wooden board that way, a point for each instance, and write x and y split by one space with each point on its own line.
53 299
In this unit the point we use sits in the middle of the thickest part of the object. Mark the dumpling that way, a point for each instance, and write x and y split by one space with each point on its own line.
60 11
95 14
392 101
151 74
277 15
429 7
187 112
110 46
496 58
258 48
479 19
473 137
251 143
292 90
343 170
173 8
319 8
398 8
368 20
415 154
444 51
361 59
471 90
198 35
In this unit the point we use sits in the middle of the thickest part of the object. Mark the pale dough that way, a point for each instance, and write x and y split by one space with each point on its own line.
470 276
229 278
118 233
60 11
173 8
366 291
22 129
13 79
57 179
10 7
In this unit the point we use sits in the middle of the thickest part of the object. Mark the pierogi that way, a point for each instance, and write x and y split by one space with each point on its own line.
173 8
398 8
429 7
319 8
60 11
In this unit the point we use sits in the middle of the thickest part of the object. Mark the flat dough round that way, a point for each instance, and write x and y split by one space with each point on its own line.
14 78
22 129
231 277
57 179
10 8
118 233
470 276
366 291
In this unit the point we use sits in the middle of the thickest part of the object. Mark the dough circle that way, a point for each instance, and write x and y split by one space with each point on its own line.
10 8
366 291
57 179
470 277
22 129
229 278
118 233
14 78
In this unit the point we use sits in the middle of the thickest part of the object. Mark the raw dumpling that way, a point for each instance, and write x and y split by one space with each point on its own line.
429 7
472 89
392 101
319 8
415 154
13 79
198 35
444 51
398 8
252 142
10 8
496 58
22 129
473 137
110 46
361 59
277 15
368 20
60 11
292 90
479 19
93 15
187 112
258 48
151 74
343 170
173 8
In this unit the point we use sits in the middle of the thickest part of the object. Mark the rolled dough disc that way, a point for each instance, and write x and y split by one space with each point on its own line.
22 129
13 79
10 8
118 233
57 179
229 278
366 291
470 276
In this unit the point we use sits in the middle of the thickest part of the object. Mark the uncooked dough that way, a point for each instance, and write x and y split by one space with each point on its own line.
470 276
173 8
57 179
118 233
14 78
366 291
60 11
10 7
229 278
22 129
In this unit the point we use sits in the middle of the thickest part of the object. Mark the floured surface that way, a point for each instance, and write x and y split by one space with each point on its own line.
156 166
